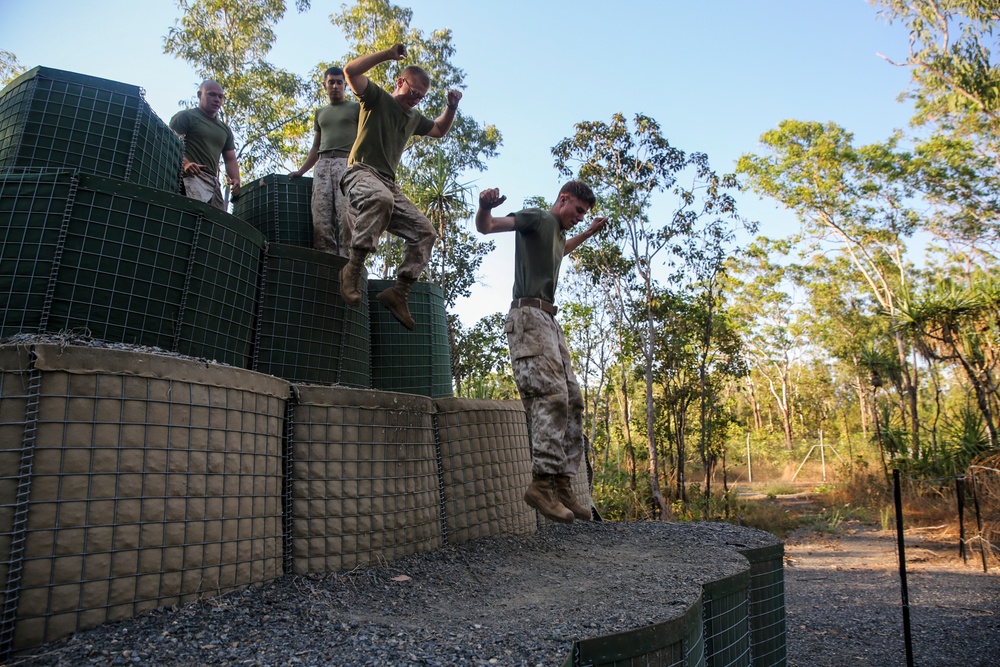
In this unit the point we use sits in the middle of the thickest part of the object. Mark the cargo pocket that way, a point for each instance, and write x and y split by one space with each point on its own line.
525 333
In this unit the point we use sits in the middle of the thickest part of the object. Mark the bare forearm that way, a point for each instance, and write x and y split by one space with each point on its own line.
362 64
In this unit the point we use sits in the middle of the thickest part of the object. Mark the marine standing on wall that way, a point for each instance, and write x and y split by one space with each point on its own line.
336 127
538 353
386 123
206 138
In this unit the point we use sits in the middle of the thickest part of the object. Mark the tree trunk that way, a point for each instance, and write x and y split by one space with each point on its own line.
654 469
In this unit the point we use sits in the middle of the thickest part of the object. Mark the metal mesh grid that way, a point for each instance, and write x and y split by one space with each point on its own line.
414 362
486 466
279 207
126 264
34 206
726 616
767 605
145 492
52 118
364 479
157 153
308 333
18 406
123 267
220 302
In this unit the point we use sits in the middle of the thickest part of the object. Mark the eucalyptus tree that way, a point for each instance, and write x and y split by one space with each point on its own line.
956 96
229 41
10 67
852 200
762 301
629 165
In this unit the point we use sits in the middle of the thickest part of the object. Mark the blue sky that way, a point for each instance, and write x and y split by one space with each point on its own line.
716 74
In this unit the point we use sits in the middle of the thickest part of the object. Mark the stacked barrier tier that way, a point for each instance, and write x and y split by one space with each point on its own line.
124 263
131 481
414 362
364 478
278 206
308 333
486 466
52 118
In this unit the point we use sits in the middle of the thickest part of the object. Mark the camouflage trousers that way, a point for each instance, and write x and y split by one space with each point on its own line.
331 212
379 206
205 187
549 391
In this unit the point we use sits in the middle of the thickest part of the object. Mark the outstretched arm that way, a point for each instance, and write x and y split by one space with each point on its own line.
485 222
356 69
576 241
443 122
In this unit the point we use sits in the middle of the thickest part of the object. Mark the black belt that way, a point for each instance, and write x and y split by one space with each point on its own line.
535 303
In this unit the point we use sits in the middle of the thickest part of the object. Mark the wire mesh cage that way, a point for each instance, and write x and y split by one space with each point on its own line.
486 466
141 480
726 616
279 207
767 605
308 333
364 478
414 362
53 118
126 263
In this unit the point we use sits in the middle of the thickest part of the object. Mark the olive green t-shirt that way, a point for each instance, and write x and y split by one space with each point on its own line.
337 125
539 244
205 138
383 130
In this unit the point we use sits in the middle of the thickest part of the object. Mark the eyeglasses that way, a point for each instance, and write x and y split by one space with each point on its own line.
414 95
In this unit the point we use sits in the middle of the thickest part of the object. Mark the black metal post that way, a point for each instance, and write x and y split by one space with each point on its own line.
907 635
960 495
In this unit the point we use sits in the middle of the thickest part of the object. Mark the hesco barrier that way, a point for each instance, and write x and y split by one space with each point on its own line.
767 605
677 642
125 263
308 333
413 362
278 206
364 478
485 467
130 481
726 612
52 118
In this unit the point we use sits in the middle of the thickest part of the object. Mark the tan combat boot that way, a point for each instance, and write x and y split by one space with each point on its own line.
394 299
564 493
350 277
542 496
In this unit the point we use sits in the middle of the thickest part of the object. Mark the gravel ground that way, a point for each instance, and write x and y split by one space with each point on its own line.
522 601
518 601
843 601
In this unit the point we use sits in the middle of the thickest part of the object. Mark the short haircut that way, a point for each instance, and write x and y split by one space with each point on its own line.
581 191
417 73
336 71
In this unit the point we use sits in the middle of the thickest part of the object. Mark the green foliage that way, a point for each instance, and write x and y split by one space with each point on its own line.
10 67
480 360
617 500
228 42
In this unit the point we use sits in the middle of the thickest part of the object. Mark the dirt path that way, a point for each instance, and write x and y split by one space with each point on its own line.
843 601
